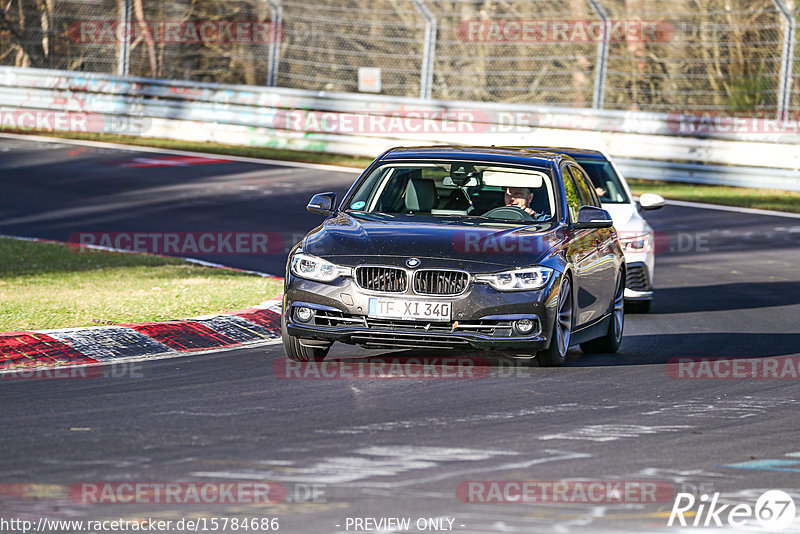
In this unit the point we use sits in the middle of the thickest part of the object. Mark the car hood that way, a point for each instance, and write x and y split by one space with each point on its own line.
626 218
441 241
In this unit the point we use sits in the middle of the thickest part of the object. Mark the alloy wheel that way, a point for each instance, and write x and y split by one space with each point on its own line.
564 329
619 309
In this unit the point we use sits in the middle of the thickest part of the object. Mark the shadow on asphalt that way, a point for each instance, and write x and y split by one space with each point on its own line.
725 297
652 349
661 348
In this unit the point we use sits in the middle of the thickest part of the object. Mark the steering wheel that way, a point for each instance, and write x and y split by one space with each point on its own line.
512 213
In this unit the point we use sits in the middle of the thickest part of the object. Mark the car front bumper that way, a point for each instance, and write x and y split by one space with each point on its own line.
482 317
638 281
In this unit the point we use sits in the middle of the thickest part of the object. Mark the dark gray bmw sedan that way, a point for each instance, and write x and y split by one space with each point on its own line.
459 247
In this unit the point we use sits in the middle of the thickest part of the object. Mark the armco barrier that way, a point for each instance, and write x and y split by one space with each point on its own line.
646 144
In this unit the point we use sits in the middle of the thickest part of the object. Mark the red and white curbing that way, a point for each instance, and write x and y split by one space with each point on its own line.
108 344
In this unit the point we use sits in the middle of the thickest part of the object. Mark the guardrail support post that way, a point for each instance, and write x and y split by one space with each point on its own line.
429 49
124 51
601 63
787 59
276 34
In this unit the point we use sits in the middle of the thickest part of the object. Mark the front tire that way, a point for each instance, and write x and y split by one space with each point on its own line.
297 352
610 342
556 353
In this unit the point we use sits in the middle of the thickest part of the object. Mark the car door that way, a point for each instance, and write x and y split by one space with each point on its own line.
599 271
581 252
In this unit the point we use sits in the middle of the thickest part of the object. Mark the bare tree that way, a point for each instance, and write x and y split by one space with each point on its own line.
30 29
148 37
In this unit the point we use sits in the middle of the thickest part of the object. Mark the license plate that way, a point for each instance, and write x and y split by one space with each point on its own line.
409 309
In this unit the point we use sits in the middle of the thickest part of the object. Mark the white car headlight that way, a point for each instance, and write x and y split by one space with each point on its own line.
314 268
517 280
637 242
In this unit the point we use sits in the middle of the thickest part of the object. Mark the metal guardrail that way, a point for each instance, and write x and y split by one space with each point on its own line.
93 85
785 179
647 145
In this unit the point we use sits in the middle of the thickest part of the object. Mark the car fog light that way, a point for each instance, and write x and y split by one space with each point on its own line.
524 326
304 314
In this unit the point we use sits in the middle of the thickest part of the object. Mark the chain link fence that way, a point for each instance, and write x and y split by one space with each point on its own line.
649 55
503 52
326 42
794 87
723 54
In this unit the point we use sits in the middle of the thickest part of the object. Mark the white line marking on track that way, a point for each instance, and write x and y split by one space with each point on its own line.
722 409
136 148
473 471
475 418
603 433
719 207
391 461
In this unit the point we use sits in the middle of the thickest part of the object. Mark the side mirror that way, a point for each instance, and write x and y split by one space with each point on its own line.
322 204
651 201
591 217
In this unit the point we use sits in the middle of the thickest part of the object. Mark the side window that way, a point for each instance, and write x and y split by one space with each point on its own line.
573 199
585 187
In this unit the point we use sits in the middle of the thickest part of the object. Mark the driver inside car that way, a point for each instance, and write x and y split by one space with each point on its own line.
520 197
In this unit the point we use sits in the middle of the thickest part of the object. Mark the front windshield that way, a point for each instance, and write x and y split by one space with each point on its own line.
457 189
605 180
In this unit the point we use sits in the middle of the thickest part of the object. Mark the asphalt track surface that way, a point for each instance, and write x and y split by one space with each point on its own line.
728 285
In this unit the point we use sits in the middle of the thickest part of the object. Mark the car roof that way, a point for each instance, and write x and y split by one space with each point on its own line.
575 153
494 154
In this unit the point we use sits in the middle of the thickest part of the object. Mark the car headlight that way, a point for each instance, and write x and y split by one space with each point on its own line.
517 280
636 243
314 268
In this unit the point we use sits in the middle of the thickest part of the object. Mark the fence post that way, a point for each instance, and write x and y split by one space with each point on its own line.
787 59
274 51
124 51
429 49
601 64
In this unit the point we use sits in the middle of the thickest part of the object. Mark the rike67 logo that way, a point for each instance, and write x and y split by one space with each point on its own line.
774 510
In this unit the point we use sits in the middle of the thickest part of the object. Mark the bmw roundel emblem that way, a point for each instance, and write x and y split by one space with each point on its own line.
413 262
